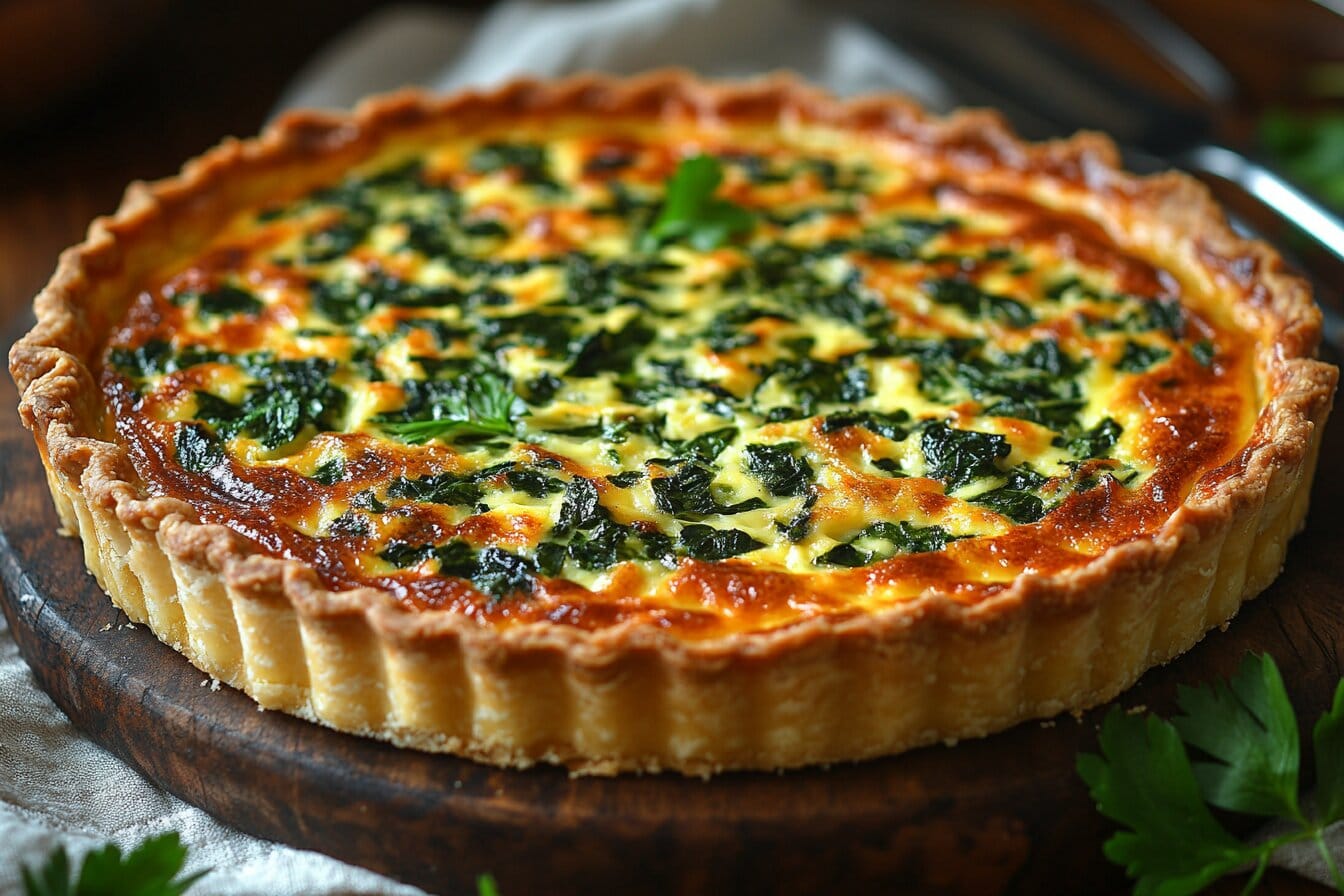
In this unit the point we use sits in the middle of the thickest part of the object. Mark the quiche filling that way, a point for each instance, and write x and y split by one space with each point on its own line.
725 382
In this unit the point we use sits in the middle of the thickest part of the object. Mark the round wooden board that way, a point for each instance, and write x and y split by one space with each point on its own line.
1003 814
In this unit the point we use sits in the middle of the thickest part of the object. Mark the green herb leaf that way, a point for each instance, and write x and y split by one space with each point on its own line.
957 456
1249 727
1143 780
1138 357
691 212
486 886
975 303
688 494
780 468
151 869
1328 740
485 405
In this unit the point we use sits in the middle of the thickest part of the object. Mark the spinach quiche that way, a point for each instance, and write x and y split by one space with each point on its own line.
658 424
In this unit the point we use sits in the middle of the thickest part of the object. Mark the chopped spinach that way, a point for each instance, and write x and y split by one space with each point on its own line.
528 161
958 456
533 482
453 489
493 570
708 445
780 468
1138 357
611 350
481 405
975 303
288 395
329 472
707 543
688 494
1016 498
892 426
222 301
198 449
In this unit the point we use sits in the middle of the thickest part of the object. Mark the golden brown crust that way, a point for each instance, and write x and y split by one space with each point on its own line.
630 696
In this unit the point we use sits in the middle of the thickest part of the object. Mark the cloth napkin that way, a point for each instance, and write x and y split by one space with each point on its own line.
58 788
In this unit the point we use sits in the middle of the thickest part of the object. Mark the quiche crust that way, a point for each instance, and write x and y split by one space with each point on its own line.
630 696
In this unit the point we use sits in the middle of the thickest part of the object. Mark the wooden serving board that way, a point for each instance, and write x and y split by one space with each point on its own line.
1003 814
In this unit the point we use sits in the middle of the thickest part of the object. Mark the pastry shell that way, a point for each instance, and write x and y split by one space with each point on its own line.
631 697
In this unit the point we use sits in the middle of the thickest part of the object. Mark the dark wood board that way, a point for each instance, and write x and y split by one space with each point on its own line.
1003 814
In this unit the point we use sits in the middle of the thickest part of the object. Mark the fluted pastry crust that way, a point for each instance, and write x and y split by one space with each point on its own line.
630 696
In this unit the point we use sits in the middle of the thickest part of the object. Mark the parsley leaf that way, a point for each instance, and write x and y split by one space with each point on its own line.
1144 779
1248 726
151 869
692 213
1328 739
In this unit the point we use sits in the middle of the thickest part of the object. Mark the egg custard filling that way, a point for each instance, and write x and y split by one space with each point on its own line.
722 380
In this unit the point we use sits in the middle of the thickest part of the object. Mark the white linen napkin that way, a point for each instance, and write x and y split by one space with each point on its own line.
58 788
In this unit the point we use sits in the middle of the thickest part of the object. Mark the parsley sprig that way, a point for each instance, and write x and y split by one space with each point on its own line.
151 869
691 212
1243 735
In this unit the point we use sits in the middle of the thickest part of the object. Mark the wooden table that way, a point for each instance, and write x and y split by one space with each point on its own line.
207 72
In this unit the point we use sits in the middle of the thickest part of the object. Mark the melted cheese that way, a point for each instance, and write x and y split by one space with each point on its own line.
462 373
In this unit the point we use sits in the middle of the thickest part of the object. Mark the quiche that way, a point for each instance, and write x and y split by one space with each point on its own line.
659 424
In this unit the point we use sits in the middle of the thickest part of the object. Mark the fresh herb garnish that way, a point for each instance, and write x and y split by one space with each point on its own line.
707 543
688 494
151 869
692 213
1243 737
780 468
1311 149
1138 357
198 449
483 405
